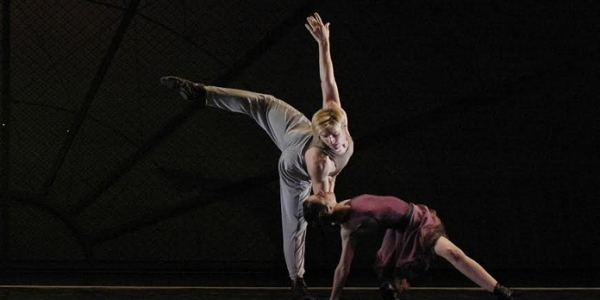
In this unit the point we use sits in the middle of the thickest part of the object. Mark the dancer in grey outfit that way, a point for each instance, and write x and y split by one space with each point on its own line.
313 152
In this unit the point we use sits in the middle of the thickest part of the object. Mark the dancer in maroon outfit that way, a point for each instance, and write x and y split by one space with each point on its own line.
413 236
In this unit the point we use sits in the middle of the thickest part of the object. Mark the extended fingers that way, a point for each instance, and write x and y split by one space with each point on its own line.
310 28
318 18
315 25
315 20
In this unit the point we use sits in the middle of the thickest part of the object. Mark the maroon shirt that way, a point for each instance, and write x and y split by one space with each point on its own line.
411 229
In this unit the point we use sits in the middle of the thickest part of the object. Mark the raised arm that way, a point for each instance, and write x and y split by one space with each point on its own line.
320 32
343 268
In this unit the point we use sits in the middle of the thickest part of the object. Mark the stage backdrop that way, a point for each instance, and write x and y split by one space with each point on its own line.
484 110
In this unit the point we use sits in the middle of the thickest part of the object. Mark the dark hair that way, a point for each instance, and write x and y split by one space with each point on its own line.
312 211
317 218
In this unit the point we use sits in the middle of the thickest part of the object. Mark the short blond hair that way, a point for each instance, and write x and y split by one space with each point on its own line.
329 117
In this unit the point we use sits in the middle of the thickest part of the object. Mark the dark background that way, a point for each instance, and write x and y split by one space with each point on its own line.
484 110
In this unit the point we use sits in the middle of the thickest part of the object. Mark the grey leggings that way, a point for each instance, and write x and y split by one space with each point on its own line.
290 130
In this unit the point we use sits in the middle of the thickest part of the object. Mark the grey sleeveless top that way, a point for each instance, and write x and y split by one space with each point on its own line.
340 160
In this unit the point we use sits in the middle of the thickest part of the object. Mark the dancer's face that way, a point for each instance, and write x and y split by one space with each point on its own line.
335 138
326 200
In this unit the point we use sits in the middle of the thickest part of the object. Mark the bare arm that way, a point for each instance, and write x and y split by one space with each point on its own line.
316 165
320 32
343 268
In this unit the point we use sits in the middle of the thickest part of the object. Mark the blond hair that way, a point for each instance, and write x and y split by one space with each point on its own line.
329 117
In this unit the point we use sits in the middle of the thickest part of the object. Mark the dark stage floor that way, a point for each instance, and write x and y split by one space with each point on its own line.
256 293
437 284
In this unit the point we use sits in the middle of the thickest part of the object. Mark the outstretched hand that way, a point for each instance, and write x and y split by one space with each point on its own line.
317 29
